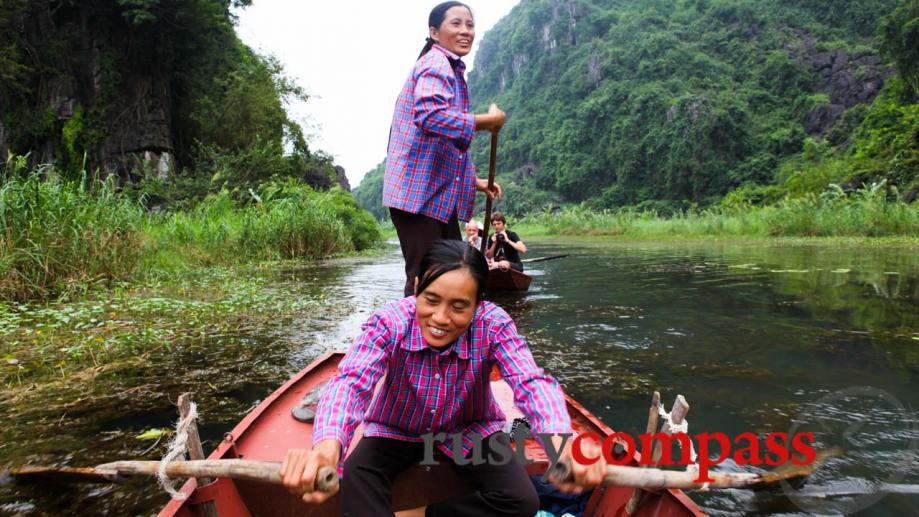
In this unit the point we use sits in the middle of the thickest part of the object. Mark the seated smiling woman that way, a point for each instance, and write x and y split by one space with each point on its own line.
437 350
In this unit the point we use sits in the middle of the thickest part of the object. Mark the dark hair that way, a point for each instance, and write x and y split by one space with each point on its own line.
498 216
449 255
436 18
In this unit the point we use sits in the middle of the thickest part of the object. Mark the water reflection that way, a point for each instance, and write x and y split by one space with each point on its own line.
751 335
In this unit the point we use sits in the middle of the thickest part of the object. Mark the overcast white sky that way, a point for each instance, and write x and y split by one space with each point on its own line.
352 57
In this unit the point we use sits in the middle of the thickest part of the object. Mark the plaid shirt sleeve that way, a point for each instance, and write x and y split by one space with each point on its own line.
538 395
434 111
345 400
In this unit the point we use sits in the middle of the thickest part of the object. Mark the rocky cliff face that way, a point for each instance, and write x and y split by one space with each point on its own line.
848 79
342 178
109 80
88 68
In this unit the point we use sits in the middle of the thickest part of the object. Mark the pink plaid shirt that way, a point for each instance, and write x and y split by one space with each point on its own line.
426 391
428 167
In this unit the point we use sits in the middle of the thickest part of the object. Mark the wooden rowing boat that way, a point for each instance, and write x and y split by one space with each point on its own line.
269 431
507 280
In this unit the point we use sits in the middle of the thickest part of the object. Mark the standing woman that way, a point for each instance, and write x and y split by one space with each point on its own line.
430 180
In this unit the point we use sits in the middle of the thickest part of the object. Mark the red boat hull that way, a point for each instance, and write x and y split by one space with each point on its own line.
269 431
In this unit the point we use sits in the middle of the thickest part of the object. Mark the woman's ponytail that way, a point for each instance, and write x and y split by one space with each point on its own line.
429 42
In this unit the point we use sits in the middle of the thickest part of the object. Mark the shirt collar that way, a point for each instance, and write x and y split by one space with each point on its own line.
455 60
414 342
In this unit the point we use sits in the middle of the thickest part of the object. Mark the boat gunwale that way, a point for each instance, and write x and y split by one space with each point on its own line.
225 446
239 429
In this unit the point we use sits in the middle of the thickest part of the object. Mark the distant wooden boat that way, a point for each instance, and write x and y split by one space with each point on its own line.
512 280
270 430
509 280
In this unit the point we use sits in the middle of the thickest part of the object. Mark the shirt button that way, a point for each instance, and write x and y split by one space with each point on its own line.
437 376
433 411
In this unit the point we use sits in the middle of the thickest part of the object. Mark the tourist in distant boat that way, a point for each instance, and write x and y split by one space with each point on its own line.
430 182
473 237
505 246
434 352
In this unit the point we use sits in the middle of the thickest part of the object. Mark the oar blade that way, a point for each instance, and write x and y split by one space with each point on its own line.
795 474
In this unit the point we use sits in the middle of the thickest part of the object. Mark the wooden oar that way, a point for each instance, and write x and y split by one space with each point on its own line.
248 470
657 479
791 472
491 183
542 259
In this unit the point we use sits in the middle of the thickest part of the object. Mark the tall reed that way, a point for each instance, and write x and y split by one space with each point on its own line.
56 235
285 222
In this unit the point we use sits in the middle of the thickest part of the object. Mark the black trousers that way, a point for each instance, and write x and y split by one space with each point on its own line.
366 486
416 234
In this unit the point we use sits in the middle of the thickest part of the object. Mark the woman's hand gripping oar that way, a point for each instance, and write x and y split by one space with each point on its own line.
310 472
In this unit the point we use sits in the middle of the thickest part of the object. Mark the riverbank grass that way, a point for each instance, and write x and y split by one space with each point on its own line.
863 215
58 238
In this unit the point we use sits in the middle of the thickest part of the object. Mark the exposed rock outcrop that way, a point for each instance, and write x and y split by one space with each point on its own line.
104 74
103 85
848 79
342 178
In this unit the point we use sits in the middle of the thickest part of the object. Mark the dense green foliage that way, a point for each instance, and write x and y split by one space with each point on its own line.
96 85
680 101
900 37
58 235
669 105
369 193
884 147
286 221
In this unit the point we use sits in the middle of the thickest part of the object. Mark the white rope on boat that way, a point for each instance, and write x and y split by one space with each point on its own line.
177 448
669 427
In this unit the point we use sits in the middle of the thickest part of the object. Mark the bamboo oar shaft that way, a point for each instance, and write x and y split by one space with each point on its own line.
248 470
658 479
491 183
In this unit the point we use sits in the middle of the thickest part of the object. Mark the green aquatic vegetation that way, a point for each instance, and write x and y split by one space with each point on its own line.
60 339
153 434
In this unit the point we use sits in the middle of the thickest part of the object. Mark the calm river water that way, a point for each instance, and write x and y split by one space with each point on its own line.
757 338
